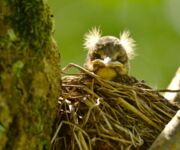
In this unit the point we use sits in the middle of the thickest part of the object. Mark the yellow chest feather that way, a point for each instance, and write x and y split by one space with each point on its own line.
106 73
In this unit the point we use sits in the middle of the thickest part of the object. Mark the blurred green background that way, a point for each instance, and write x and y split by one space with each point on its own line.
154 24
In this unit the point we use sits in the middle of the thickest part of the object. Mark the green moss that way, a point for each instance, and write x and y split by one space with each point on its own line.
12 35
31 21
30 76
2 130
17 67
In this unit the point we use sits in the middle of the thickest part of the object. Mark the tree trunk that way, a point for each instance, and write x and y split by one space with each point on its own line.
29 75
174 97
170 136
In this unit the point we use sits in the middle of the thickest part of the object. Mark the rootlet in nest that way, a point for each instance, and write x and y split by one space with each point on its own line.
102 107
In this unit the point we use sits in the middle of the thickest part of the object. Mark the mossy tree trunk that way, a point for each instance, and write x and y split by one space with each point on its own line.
29 75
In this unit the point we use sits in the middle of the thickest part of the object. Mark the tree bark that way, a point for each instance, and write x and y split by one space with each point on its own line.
174 97
29 75
170 136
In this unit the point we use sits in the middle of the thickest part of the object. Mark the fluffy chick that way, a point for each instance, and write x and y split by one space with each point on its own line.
108 56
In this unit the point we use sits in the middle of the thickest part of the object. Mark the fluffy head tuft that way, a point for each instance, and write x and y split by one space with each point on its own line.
128 44
91 38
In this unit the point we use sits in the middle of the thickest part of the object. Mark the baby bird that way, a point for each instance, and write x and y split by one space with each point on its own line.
108 56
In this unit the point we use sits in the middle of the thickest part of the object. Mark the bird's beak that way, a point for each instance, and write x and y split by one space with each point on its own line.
107 60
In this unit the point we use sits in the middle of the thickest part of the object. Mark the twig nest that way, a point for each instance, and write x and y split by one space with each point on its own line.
97 114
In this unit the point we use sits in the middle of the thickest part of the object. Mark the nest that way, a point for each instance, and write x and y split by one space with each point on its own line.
96 114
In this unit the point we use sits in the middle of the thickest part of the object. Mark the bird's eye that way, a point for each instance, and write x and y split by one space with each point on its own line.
121 58
97 56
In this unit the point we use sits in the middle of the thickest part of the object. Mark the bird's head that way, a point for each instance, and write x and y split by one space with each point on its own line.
107 55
